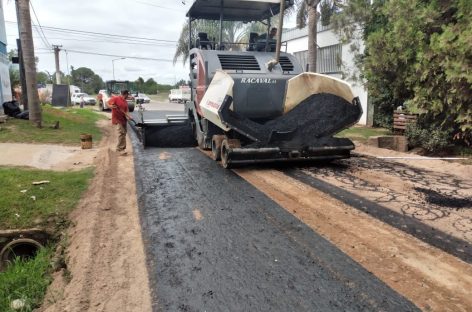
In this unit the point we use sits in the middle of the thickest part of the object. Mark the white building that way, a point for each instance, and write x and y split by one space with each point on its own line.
333 57
5 87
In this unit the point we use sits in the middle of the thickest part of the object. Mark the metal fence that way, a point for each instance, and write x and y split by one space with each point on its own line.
328 59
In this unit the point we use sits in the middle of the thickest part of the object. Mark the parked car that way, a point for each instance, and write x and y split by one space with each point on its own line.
76 98
143 97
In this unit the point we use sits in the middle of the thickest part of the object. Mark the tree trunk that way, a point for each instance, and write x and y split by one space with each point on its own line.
312 36
26 38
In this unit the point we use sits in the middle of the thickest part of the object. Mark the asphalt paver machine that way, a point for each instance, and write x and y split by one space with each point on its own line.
256 104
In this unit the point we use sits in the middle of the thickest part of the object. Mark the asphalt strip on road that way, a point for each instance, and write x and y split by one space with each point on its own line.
215 243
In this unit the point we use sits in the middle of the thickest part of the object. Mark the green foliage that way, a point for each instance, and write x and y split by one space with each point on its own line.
53 201
326 10
44 78
421 54
86 79
445 66
432 139
384 120
26 280
14 77
149 86
181 82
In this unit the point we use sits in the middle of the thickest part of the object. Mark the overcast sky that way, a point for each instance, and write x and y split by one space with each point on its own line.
161 20
127 19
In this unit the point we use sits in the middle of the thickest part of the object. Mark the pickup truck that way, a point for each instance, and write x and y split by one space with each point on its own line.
179 95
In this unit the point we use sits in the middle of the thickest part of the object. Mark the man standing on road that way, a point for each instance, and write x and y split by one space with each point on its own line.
119 117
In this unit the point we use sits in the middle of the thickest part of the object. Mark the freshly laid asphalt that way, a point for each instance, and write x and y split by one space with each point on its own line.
215 243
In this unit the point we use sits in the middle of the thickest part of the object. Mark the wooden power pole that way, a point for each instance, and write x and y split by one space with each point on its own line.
27 47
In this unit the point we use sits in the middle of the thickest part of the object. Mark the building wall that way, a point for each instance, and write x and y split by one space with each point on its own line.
5 87
296 41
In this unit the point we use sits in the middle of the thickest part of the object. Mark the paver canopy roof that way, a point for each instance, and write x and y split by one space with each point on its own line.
234 10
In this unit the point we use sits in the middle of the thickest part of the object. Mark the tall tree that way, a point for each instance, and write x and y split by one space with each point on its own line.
44 77
88 81
150 86
307 16
27 46
139 84
416 53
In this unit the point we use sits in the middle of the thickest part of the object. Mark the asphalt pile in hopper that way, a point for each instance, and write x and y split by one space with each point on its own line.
320 115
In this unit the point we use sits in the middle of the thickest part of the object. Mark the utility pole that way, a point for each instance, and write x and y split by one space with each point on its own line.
27 47
56 56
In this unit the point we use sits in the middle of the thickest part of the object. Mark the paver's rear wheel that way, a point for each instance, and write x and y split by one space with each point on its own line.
226 147
216 142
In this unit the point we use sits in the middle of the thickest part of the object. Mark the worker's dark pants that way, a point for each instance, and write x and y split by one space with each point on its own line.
121 146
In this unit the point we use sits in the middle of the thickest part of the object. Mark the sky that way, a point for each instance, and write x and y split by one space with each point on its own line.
147 29
129 22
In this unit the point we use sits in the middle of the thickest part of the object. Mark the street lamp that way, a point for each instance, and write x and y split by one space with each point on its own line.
113 65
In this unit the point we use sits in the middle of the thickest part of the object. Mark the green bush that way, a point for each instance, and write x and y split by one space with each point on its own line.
415 135
431 139
384 120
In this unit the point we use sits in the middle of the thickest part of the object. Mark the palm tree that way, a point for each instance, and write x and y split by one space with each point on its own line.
307 10
27 46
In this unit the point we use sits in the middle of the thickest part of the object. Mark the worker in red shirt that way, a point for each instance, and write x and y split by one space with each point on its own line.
119 117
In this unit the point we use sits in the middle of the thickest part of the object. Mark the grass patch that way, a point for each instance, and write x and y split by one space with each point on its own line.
359 133
53 200
160 97
72 122
26 280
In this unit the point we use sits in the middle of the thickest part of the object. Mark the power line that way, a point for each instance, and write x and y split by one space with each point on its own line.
125 56
117 42
92 33
158 6
45 40
164 45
